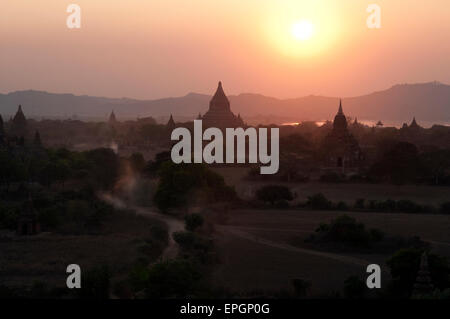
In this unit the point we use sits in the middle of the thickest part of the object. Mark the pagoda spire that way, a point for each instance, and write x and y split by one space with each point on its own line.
423 283
414 123
2 129
171 122
219 100
340 107
112 118
19 123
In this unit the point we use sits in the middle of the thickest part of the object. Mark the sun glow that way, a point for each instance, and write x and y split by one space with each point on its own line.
302 30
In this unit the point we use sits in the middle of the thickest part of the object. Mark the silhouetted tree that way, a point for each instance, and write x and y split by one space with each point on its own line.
274 193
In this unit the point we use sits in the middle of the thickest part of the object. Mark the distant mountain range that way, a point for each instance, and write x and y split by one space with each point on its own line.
426 101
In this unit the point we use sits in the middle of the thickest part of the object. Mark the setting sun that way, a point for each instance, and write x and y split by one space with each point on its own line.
302 30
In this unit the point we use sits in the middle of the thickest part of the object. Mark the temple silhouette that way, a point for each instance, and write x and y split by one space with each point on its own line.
340 148
219 113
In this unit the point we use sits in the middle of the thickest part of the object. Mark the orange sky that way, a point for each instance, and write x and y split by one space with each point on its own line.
159 48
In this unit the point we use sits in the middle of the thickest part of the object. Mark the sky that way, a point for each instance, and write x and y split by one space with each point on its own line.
150 49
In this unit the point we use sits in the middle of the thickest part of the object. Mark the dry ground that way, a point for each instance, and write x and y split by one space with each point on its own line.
257 245
258 252
25 260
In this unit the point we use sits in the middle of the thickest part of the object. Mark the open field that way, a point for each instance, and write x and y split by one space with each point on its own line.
421 194
257 250
25 260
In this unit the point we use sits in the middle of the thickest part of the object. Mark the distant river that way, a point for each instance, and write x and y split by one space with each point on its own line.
371 123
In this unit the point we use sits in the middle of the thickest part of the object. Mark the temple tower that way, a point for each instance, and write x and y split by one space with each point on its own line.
171 123
19 124
340 149
219 113
423 283
27 223
2 132
112 119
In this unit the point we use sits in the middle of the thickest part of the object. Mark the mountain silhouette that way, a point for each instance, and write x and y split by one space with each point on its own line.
426 101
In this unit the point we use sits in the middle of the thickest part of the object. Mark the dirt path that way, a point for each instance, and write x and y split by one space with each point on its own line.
239 233
173 224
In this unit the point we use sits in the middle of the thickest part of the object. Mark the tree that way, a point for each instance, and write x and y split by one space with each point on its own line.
400 164
437 163
301 287
318 201
11 169
193 221
137 162
54 171
103 167
95 283
354 287
172 279
181 184
274 193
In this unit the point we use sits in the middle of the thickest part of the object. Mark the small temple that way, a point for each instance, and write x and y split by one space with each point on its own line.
2 132
423 284
340 148
219 113
19 124
27 223
112 118
171 123
414 124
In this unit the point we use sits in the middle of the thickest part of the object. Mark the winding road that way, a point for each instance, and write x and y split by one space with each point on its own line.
176 225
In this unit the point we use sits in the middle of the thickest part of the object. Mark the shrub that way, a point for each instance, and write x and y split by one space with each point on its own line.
346 229
95 283
178 183
282 204
319 201
301 287
274 193
195 247
193 221
359 203
354 287
445 208
376 234
138 276
342 206
331 178
388 205
8 217
172 279
185 239
408 206
50 218
159 233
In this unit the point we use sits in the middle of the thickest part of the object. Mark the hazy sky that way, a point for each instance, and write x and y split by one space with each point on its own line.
159 48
